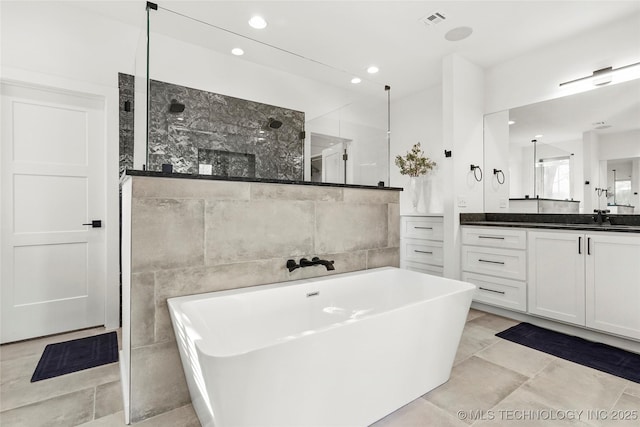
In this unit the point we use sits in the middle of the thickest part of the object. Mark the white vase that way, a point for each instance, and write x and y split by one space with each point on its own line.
415 191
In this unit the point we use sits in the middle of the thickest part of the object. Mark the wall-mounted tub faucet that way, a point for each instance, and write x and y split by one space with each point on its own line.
291 265
317 261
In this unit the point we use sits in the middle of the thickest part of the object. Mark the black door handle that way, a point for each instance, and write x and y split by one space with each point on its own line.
96 223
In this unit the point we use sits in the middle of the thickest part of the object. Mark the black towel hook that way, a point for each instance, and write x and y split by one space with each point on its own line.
473 169
497 173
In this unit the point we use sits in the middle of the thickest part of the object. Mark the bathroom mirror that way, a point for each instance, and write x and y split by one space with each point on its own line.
267 113
559 155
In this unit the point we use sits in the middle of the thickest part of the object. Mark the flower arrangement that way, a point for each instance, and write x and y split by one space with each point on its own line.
414 163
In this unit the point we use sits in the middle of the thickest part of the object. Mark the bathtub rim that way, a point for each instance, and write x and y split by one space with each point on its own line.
175 302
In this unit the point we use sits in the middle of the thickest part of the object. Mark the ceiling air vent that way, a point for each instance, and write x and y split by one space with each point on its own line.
600 125
433 18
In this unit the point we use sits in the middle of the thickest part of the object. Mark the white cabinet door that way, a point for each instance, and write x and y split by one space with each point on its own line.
556 276
613 284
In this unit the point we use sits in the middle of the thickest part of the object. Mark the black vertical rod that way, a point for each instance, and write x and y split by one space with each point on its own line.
387 88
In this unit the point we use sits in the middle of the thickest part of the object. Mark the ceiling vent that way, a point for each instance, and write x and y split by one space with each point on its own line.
433 18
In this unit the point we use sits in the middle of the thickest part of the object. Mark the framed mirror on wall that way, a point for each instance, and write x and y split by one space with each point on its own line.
558 156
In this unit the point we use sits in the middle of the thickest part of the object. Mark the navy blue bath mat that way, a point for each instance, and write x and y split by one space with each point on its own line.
602 357
75 355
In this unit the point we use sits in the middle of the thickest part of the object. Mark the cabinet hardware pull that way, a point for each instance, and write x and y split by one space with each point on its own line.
491 237
491 290
588 245
423 228
579 244
492 262
422 252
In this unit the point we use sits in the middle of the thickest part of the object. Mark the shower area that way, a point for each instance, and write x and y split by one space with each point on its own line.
266 114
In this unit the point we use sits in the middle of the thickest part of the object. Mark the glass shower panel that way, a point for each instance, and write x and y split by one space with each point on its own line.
259 115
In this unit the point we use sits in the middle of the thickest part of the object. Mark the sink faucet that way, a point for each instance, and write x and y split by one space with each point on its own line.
317 261
600 216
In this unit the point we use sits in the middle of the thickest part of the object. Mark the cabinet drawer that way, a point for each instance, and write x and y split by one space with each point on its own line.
504 293
505 238
506 263
429 228
424 251
422 268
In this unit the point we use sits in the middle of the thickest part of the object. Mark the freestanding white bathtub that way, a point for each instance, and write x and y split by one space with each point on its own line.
343 350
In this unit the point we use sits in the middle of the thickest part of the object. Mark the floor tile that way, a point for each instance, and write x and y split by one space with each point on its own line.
108 399
567 385
625 413
524 409
474 338
419 413
21 391
516 357
633 389
35 347
475 384
68 410
493 322
473 313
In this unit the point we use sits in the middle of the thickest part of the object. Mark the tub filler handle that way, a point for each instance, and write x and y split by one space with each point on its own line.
313 294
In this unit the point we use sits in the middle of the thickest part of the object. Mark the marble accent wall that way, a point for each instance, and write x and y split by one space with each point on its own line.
213 124
189 236
126 86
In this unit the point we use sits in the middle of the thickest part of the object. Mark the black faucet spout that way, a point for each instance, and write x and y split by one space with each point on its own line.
317 261
600 216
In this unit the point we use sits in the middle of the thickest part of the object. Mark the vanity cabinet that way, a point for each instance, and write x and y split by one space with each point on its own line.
494 259
556 275
612 290
421 247
587 279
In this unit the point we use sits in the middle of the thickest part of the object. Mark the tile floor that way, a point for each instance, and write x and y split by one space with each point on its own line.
493 383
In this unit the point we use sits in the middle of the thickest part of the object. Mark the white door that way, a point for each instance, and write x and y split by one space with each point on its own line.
333 164
556 275
53 266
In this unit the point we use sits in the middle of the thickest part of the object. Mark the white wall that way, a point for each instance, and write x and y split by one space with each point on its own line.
462 129
535 76
57 45
620 145
418 118
496 156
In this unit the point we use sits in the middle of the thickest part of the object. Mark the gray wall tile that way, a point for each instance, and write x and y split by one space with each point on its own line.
142 308
166 233
342 227
387 257
394 225
295 192
364 195
240 231
179 188
157 381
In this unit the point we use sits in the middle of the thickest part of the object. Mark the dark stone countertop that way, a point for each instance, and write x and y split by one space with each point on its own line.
582 222
157 174
546 200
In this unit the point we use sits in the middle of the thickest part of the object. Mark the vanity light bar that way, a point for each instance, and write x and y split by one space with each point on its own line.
602 73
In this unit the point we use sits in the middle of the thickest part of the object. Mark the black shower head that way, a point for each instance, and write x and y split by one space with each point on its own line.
274 124
176 107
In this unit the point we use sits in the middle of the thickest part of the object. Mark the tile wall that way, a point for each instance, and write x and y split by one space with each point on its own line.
191 236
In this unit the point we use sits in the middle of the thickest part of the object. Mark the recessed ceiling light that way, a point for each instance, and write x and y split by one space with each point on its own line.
372 69
356 80
459 33
257 22
512 122
237 51
538 136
